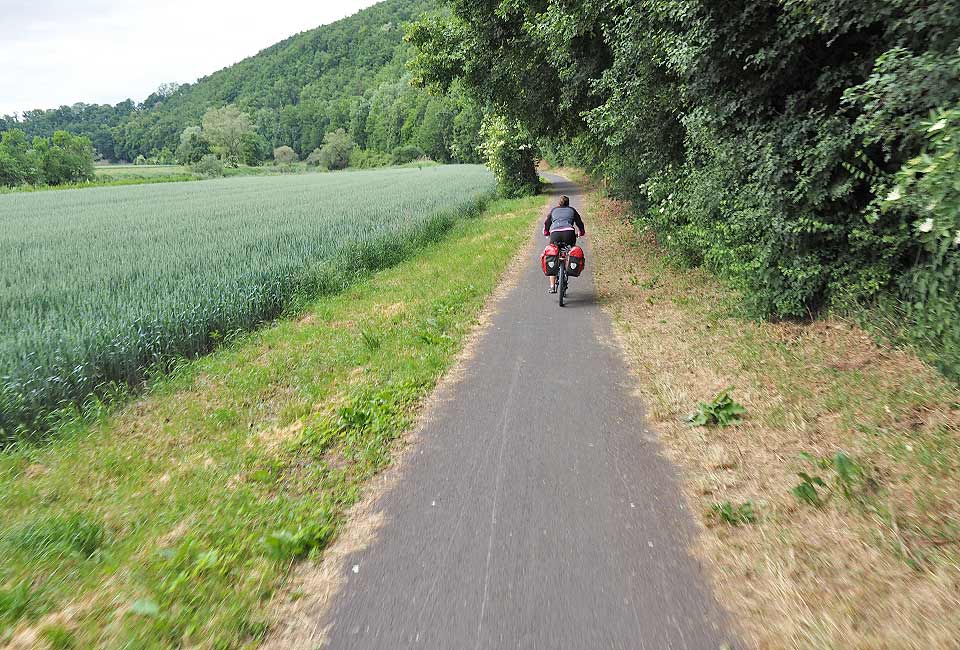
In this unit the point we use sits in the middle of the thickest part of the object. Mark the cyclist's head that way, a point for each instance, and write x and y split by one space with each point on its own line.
564 201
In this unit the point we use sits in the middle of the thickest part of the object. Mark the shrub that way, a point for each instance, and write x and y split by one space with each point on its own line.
314 158
67 159
19 162
209 165
254 149
336 150
285 154
161 157
406 154
926 194
369 158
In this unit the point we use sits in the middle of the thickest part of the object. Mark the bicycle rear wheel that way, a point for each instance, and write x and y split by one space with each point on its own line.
562 284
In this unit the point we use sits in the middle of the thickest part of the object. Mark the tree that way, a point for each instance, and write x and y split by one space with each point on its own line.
253 149
753 137
511 156
19 162
465 141
225 128
435 131
193 146
336 149
285 154
63 159
74 159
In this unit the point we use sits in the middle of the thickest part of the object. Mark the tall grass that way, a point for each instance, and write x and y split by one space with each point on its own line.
98 287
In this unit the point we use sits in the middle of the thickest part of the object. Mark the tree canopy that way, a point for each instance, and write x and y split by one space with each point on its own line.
64 158
759 138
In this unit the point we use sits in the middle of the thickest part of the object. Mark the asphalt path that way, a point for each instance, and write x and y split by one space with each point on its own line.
535 510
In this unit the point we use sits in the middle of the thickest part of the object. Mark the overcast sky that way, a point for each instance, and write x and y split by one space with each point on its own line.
55 52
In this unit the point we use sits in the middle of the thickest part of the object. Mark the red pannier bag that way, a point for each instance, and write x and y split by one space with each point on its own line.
550 260
575 261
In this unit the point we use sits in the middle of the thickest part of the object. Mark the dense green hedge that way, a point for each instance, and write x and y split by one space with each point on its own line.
758 138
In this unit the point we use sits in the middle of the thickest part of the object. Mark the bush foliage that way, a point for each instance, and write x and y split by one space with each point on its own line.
756 138
62 159
285 154
510 155
336 150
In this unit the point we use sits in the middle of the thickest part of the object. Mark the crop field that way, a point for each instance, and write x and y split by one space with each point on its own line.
100 286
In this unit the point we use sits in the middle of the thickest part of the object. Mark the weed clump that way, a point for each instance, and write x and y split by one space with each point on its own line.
722 411
734 515
848 479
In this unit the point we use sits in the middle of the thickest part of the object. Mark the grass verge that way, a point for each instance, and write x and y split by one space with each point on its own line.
830 509
172 521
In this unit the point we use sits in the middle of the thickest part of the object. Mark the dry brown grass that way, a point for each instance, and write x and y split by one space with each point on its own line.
880 569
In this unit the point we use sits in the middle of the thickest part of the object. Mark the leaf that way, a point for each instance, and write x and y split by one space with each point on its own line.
813 480
844 466
810 458
938 125
807 493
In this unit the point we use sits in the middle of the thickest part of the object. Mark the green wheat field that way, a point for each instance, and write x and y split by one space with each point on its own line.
101 286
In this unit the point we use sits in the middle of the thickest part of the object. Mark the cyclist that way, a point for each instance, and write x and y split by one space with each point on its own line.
561 225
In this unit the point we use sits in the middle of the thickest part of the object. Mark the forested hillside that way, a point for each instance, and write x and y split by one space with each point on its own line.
349 74
807 153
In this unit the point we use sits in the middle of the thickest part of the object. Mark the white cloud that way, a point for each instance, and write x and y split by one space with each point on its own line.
57 52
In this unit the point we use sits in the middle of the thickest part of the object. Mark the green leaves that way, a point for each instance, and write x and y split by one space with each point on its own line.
511 156
732 515
721 411
284 545
806 491
848 477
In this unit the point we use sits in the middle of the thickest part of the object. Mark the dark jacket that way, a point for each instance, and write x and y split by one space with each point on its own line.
561 218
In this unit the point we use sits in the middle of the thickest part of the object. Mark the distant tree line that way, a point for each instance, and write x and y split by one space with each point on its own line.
347 76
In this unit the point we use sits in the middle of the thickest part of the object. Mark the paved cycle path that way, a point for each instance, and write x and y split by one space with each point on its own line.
535 510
